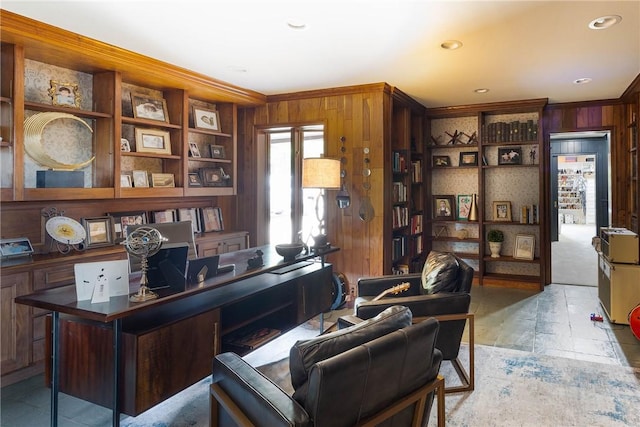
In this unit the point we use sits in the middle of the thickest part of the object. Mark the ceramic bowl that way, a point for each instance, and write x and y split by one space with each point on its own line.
289 250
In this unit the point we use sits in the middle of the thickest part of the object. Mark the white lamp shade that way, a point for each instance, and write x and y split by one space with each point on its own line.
321 172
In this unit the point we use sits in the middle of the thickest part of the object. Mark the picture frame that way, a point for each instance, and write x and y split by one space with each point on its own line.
99 231
122 219
212 177
525 246
509 155
441 161
217 152
140 179
502 211
125 181
194 180
463 206
190 214
153 141
64 94
194 151
444 207
206 119
212 219
125 146
162 180
16 247
468 158
148 107
165 216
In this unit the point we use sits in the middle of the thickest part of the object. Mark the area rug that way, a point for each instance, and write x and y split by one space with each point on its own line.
513 388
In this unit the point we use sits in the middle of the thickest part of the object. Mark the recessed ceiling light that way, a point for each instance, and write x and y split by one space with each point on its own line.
582 81
604 22
481 90
237 69
296 24
451 44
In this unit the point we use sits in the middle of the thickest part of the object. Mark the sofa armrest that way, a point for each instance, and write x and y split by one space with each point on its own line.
371 287
241 395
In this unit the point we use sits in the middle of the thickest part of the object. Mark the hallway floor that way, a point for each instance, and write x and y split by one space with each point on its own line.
573 260
555 322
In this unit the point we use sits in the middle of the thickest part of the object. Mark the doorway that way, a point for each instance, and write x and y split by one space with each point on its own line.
579 204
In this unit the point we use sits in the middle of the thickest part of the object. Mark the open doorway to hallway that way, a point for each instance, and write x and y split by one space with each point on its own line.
580 188
574 261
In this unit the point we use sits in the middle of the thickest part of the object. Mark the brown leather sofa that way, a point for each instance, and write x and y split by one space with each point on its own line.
383 371
449 280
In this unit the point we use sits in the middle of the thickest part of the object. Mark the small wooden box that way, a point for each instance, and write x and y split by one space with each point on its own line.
619 245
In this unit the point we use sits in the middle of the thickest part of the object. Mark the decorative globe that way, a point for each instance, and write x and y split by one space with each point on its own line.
144 242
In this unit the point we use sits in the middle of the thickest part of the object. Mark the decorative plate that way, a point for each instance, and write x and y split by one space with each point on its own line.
66 230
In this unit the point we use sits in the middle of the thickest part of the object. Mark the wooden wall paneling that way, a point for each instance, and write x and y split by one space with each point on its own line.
104 133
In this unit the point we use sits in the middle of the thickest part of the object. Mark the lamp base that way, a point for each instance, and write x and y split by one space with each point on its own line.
144 294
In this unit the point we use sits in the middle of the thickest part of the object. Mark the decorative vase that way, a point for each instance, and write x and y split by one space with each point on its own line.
495 249
473 209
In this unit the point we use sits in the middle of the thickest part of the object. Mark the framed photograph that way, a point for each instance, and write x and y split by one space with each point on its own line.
212 219
206 119
441 161
444 207
17 247
194 151
463 206
99 231
125 180
167 215
502 211
140 179
525 246
509 155
122 219
65 94
190 214
125 147
217 152
212 177
468 158
146 107
153 141
195 180
162 180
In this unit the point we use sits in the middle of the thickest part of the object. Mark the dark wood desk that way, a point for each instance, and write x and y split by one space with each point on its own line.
162 346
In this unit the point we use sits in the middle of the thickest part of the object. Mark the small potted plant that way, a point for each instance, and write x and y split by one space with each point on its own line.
495 238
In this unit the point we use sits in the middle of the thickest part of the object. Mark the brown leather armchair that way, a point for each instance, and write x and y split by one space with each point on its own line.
382 371
450 308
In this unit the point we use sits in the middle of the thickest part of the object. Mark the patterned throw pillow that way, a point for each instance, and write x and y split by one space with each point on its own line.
440 273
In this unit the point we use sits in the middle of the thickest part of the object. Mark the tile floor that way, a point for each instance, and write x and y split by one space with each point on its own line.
554 322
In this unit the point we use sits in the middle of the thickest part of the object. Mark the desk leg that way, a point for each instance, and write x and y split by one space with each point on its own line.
117 336
55 366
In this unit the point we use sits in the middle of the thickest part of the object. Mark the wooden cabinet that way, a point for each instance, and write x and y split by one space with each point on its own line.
495 152
406 194
23 327
215 243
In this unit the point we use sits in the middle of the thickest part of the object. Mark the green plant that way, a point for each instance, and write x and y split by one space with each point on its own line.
495 236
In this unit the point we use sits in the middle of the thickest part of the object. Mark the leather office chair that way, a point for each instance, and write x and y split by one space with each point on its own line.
174 232
450 308
368 374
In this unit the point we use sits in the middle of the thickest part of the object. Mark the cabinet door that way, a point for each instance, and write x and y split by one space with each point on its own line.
314 293
15 325
235 244
210 248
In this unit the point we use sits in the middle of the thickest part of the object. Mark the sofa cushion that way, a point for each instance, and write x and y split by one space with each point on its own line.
304 354
440 273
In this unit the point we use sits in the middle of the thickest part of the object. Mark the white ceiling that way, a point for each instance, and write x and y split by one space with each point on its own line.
516 49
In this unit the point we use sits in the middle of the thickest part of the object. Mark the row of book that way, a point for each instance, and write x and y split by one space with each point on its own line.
416 224
399 247
416 171
529 214
515 131
400 216
399 192
398 162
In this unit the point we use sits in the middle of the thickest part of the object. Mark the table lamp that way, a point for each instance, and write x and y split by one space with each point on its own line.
322 173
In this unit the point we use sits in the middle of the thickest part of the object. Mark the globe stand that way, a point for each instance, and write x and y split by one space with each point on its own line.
144 293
